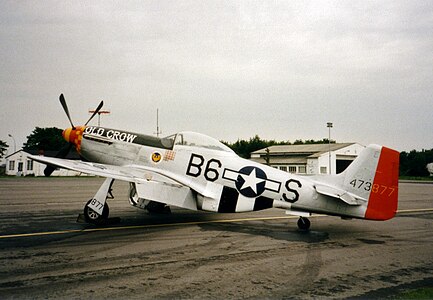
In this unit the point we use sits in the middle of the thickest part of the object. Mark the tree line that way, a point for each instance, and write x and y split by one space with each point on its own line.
3 147
412 163
47 139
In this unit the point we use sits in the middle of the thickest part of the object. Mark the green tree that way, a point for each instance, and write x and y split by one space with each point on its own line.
322 141
3 148
414 163
244 148
46 139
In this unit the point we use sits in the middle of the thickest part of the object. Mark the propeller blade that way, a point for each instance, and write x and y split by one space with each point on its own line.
49 169
95 112
65 108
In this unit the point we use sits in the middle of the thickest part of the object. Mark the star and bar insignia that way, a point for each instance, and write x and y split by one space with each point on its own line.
251 181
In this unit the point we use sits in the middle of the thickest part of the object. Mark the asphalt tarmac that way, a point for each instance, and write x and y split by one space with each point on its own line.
45 253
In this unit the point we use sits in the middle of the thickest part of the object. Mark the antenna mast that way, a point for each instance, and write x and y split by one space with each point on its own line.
158 132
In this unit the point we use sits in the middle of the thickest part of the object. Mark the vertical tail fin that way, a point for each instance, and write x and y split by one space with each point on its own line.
374 176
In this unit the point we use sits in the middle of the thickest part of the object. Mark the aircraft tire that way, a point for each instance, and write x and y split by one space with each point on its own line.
92 217
304 223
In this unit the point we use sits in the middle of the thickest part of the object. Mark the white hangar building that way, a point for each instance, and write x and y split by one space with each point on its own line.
309 158
19 164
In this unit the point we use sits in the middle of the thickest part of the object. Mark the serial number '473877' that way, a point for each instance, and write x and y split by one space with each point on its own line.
374 188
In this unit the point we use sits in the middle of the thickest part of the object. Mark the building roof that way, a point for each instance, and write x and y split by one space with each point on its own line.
72 154
311 150
278 160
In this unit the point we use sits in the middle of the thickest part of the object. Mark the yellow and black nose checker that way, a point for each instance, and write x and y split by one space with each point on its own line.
74 135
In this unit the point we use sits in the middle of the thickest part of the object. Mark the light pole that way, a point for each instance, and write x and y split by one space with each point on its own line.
329 125
15 144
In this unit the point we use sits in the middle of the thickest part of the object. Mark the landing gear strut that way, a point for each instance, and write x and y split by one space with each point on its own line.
96 210
303 223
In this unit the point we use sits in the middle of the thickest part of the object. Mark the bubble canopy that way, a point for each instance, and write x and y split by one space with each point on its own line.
194 139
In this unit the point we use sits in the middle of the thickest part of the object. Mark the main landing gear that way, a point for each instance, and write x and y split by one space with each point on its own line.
304 223
92 216
96 210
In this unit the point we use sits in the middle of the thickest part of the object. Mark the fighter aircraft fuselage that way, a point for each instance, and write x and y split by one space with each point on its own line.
194 171
243 185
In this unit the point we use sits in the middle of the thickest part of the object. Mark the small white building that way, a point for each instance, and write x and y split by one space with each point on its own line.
309 158
18 164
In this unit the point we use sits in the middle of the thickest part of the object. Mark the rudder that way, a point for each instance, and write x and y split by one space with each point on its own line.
383 200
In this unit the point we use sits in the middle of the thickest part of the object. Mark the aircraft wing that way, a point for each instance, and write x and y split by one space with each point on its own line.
102 170
132 173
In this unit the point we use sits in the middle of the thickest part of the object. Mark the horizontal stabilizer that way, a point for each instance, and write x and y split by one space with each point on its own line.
343 195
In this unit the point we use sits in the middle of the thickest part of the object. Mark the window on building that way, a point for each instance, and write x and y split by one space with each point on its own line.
11 165
292 169
323 170
283 168
302 169
30 165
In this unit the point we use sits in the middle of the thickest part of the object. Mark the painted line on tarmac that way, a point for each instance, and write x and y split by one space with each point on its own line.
8 236
403 211
142 226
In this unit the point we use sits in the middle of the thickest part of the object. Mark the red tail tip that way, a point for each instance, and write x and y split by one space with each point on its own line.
383 201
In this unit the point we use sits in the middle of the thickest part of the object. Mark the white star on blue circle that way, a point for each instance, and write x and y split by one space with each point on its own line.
251 181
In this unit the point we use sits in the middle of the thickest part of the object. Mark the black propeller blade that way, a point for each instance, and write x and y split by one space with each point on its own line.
95 112
65 108
49 169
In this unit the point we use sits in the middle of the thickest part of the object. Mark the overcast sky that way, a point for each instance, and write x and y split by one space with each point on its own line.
229 69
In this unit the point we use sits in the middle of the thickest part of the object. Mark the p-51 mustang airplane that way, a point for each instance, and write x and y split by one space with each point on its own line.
194 171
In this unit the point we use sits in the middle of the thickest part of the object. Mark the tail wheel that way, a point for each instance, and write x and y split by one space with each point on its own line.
304 223
93 217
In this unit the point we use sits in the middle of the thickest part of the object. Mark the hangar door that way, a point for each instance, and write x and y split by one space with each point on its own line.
343 162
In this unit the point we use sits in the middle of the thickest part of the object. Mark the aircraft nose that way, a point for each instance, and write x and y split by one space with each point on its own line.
66 134
74 135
